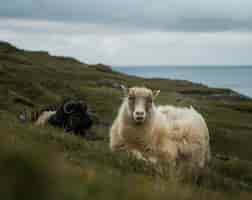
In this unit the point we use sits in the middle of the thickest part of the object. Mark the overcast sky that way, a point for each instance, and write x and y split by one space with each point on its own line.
133 32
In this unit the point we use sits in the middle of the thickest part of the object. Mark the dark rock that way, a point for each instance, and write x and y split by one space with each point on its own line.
23 117
109 83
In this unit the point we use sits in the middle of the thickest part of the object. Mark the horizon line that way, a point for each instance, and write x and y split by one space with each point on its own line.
185 65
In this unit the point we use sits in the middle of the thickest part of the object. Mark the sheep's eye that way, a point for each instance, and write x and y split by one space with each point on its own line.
149 100
131 98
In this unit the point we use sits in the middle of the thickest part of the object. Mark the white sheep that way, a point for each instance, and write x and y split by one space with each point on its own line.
159 133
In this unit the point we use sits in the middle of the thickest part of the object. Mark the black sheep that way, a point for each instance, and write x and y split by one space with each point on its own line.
73 116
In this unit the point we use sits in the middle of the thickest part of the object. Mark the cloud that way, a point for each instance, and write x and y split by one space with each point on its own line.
152 15
92 43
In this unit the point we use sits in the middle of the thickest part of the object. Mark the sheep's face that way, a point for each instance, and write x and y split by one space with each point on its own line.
140 103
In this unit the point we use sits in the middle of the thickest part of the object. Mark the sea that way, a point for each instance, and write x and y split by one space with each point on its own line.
237 78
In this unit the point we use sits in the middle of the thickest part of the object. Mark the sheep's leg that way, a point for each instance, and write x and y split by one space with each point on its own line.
116 142
138 155
141 155
199 157
149 155
119 147
168 152
152 159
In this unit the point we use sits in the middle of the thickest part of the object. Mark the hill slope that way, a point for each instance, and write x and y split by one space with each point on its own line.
78 168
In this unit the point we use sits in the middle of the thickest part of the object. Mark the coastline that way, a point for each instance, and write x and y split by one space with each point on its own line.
211 76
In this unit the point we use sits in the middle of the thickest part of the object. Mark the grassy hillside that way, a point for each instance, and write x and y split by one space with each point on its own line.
46 163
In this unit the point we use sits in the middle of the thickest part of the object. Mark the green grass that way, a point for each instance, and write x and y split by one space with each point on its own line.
46 163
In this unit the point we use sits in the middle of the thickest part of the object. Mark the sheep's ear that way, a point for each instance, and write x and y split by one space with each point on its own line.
156 93
125 90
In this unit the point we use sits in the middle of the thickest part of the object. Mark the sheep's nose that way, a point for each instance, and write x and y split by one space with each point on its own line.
140 114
